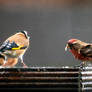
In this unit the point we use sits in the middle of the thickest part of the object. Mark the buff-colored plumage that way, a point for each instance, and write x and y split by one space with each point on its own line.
11 62
1 61
18 43
21 40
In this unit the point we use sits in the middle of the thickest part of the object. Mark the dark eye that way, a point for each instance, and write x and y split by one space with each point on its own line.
70 44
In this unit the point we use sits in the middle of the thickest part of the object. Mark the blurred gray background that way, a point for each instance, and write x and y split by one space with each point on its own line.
50 23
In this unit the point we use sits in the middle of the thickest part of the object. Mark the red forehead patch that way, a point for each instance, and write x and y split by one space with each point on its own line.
72 40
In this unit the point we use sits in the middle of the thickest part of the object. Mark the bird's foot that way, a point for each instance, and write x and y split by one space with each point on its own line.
25 66
81 66
78 66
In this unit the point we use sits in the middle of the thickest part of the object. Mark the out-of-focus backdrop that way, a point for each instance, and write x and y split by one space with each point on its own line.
50 23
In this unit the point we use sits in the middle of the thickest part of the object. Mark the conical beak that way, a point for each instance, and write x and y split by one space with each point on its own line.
66 47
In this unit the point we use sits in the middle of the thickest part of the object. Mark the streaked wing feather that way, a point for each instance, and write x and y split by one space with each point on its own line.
86 51
8 46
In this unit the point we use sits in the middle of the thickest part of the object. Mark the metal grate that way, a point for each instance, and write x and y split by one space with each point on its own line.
43 78
86 79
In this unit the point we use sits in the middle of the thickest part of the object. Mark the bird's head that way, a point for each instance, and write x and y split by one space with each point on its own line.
71 43
25 33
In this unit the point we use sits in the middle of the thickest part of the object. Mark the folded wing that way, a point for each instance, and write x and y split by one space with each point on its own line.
10 46
86 51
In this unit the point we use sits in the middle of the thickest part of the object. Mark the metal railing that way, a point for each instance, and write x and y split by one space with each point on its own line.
43 78
65 79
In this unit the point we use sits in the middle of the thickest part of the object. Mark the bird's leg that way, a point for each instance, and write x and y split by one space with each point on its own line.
5 60
81 65
24 65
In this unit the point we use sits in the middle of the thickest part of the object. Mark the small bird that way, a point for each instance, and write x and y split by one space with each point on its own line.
80 50
14 48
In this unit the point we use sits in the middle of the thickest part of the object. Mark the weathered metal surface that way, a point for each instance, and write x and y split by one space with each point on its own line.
43 78
86 79
65 79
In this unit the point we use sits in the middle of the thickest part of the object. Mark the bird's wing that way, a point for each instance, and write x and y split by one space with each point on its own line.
10 46
4 46
86 51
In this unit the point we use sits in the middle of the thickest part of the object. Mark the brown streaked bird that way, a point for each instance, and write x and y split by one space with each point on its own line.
80 50
14 48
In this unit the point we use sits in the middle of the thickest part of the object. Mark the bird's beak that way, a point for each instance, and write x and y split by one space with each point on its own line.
66 47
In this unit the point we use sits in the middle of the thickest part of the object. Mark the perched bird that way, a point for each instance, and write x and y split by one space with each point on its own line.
14 48
80 50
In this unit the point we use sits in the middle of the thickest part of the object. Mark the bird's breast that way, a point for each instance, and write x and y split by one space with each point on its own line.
79 56
11 54
14 53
